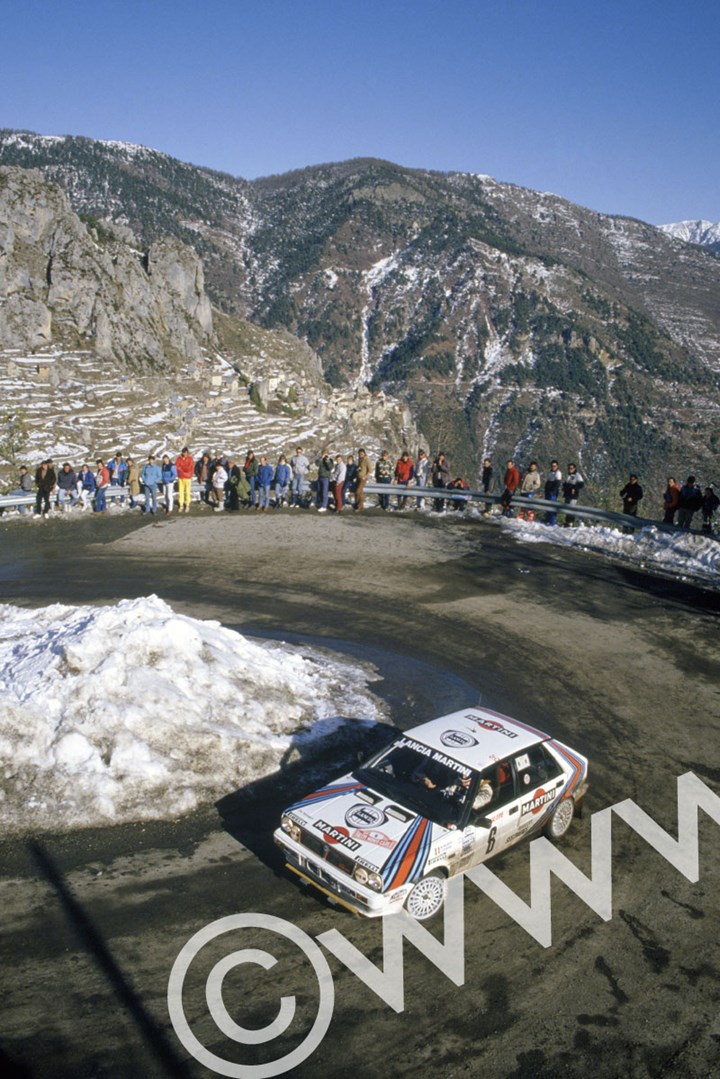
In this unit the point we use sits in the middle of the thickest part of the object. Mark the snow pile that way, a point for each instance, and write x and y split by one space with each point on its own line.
682 554
133 712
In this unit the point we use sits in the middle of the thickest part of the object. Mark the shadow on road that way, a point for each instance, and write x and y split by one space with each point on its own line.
251 814
91 937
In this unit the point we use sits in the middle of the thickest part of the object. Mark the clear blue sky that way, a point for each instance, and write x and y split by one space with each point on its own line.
615 105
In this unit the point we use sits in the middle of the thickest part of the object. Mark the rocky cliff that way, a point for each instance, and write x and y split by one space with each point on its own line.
95 326
71 283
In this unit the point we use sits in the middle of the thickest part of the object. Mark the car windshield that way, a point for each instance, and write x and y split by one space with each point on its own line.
420 778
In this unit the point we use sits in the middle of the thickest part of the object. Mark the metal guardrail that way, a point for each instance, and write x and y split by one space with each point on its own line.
112 494
592 513
624 520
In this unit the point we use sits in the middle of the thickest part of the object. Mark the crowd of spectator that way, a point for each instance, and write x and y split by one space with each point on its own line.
332 482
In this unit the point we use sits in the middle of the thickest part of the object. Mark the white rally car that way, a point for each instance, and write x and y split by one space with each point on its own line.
441 798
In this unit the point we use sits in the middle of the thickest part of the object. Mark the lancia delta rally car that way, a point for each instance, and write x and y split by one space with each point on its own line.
441 798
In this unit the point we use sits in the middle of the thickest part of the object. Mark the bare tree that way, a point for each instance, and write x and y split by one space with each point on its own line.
13 436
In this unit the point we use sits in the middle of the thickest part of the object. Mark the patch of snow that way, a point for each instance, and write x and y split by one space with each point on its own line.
133 712
683 555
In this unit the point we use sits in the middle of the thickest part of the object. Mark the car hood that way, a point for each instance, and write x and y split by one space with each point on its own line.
368 828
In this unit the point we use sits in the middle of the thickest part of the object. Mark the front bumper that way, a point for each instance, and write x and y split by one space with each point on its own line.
339 887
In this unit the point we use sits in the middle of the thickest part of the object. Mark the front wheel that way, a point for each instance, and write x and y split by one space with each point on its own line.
427 897
560 819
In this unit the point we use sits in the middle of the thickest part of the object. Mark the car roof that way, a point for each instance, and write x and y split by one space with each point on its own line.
476 736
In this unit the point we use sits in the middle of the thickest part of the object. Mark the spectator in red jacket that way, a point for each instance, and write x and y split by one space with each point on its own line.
511 480
102 482
404 473
186 470
671 499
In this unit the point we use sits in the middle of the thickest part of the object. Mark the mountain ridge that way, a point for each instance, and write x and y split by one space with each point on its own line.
513 321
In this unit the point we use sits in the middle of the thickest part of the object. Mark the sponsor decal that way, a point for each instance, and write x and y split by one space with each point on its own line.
523 762
365 816
434 755
417 746
538 800
457 740
338 835
370 866
492 725
379 839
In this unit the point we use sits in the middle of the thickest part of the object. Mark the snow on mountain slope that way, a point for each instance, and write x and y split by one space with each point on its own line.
694 232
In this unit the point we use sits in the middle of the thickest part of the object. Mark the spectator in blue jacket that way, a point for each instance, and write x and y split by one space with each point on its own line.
264 480
118 471
150 477
85 486
67 486
283 475
169 474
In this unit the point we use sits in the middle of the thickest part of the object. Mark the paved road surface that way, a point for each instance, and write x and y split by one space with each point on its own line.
620 665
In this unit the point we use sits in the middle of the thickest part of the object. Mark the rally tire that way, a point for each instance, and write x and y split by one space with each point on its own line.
427 897
560 819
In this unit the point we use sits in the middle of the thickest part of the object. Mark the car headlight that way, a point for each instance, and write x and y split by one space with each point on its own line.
366 876
288 825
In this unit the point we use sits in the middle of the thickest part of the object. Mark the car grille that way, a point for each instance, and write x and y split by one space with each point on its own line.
326 852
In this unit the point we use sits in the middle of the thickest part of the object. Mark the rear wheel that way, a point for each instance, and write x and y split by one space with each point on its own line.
560 819
427 897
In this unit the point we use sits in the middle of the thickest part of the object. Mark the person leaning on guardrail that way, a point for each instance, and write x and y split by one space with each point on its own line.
709 504
422 468
364 471
440 474
404 474
690 502
102 482
45 480
671 499
631 494
531 481
350 484
67 486
24 487
150 477
85 485
572 487
169 475
185 467
511 481
133 481
383 474
552 490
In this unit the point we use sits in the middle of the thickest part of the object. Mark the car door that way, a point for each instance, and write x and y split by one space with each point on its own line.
490 825
538 780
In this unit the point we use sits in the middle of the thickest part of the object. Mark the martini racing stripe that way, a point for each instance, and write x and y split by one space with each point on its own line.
408 860
325 793
579 768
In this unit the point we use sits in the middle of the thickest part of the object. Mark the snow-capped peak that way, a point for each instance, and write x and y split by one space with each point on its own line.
694 232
